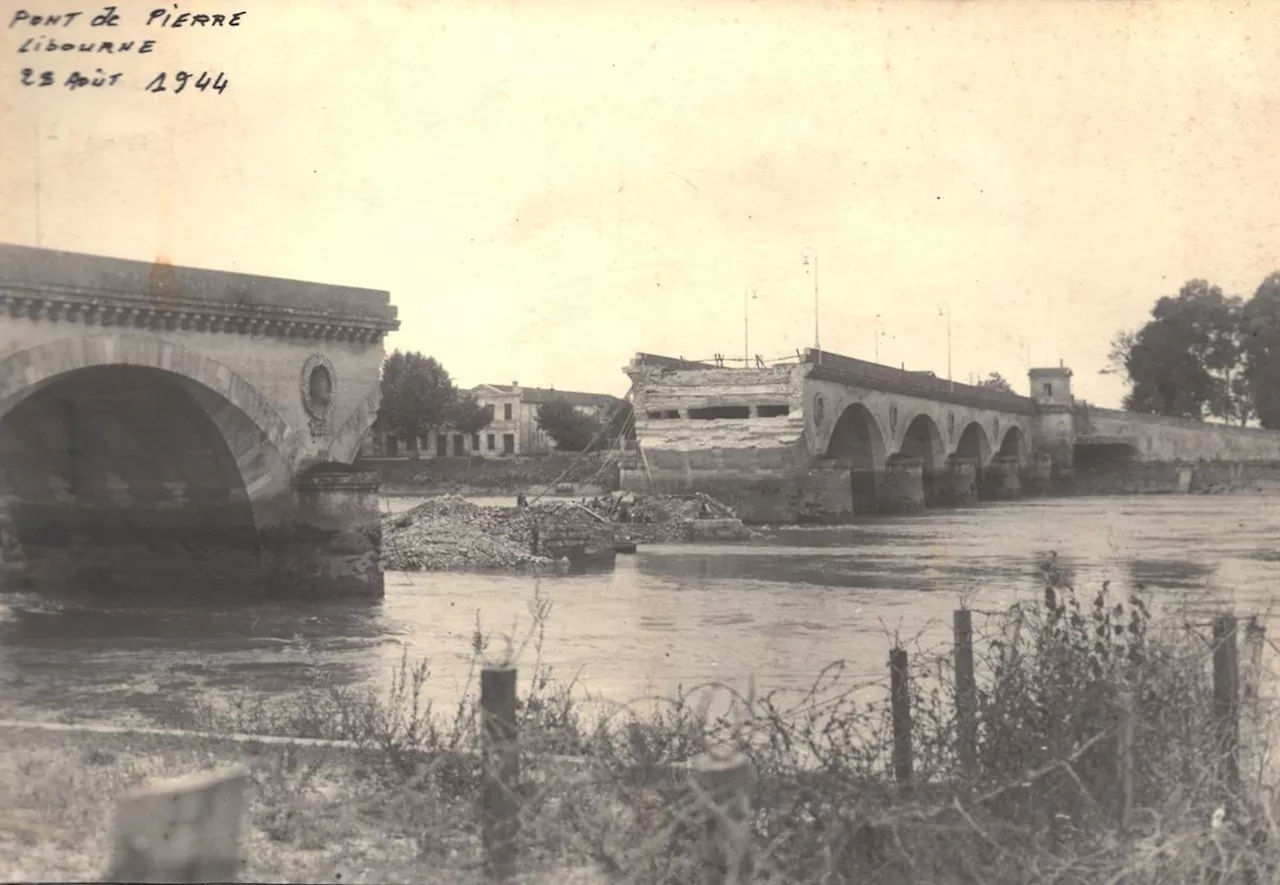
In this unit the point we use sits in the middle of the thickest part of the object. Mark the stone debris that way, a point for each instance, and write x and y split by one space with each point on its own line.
654 508
450 533
655 518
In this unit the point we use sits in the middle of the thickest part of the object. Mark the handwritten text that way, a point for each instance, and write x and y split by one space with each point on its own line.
68 31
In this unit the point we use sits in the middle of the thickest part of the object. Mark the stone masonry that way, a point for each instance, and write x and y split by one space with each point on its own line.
185 428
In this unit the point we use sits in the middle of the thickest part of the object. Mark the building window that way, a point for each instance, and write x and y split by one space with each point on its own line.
457 445
1048 390
506 411
508 443
715 413
475 442
490 442
442 445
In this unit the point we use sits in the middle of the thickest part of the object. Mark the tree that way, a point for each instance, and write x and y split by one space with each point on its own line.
417 395
996 381
572 430
1260 342
1185 360
468 416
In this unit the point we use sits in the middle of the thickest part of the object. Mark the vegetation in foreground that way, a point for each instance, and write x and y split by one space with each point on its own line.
1041 801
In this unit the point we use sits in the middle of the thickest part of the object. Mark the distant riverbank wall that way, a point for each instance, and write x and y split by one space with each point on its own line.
589 473
1175 478
1119 453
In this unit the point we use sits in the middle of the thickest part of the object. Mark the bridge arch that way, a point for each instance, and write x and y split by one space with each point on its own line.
857 439
1014 444
922 439
975 444
123 453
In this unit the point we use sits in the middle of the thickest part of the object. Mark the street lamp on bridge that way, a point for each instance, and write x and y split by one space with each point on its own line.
807 255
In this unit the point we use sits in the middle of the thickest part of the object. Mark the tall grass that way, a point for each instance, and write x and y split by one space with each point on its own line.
1041 803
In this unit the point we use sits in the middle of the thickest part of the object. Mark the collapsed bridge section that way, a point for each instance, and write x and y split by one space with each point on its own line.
826 437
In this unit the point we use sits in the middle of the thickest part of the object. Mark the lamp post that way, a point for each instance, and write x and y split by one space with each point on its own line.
806 255
947 308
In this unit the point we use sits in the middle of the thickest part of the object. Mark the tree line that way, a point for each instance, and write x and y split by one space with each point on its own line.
1204 354
419 397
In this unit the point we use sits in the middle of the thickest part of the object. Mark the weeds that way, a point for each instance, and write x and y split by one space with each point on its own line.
1041 800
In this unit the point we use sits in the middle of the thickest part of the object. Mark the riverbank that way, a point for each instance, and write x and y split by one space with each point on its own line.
835 791
314 813
557 473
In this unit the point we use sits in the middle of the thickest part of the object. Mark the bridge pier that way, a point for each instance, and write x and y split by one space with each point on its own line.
834 492
902 486
330 545
1000 480
1037 476
958 484
864 484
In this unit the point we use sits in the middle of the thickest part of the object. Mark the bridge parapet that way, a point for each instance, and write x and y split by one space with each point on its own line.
834 367
72 274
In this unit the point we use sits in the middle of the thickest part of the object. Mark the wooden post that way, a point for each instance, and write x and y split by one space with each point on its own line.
966 693
1128 726
500 811
1226 695
181 830
900 703
725 782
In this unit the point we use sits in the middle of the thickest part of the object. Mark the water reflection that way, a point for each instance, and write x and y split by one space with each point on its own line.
673 615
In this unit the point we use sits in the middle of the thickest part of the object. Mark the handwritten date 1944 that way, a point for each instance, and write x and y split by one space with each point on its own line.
182 79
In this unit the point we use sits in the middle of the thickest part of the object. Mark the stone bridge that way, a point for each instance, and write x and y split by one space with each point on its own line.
828 437
168 426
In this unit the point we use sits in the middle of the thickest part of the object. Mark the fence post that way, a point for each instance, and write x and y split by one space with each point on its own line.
900 704
500 805
181 830
1226 695
726 817
1128 726
966 693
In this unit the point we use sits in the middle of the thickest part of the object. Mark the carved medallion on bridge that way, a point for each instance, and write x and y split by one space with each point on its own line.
951 426
893 419
319 390
819 407
995 428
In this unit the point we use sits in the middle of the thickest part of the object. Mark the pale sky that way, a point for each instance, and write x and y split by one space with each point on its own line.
548 187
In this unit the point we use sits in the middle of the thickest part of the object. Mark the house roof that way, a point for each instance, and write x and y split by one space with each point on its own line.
540 395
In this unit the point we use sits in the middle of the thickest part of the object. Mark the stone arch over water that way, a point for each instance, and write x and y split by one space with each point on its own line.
128 462
922 439
1014 444
857 438
975 444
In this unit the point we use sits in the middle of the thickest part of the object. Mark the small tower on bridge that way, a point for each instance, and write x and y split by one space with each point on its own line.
1052 387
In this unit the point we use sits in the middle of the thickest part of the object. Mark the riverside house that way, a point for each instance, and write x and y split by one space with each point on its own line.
513 431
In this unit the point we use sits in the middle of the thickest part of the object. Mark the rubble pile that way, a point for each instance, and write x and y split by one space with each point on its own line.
647 508
451 533
655 518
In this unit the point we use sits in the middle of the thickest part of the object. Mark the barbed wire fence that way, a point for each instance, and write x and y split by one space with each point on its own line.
1060 740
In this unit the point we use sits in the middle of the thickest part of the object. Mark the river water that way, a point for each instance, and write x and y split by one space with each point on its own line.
775 611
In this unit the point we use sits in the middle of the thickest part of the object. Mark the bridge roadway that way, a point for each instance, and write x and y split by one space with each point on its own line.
828 437
172 425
